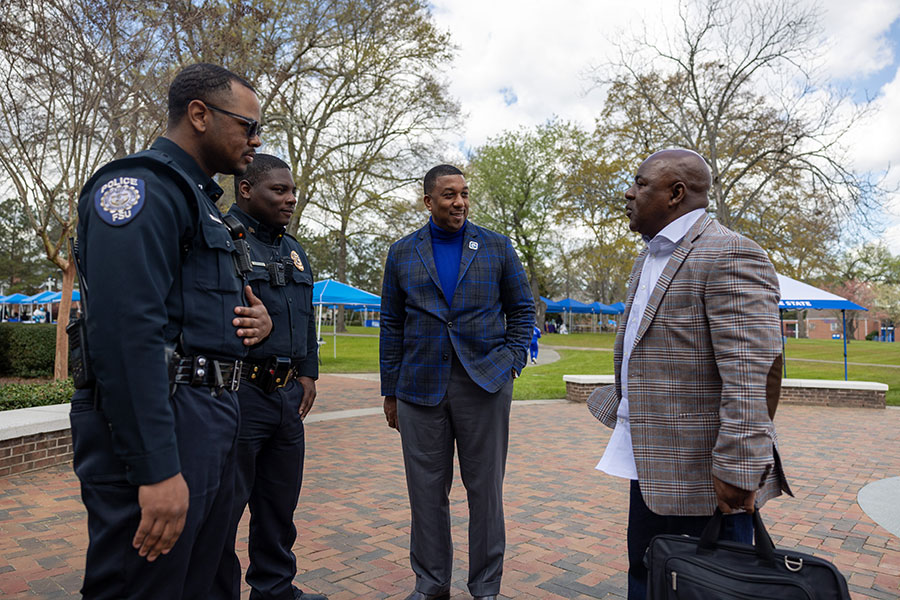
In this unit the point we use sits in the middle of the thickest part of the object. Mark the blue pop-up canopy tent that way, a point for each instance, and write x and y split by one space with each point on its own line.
329 293
604 309
57 296
571 305
15 299
40 298
552 305
796 295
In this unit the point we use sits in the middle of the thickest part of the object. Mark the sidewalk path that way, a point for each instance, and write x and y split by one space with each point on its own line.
565 521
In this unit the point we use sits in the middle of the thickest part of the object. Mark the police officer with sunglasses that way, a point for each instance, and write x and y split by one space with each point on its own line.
168 321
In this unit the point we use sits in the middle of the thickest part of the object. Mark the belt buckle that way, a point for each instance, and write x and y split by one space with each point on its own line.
235 383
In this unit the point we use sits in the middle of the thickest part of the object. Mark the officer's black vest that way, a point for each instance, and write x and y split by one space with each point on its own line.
210 285
289 304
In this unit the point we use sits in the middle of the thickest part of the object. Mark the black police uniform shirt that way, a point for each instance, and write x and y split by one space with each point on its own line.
158 265
290 305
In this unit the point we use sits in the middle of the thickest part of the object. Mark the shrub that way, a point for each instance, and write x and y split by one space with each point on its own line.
25 395
27 350
872 335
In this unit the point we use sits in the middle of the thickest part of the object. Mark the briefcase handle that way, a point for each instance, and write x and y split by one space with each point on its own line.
765 548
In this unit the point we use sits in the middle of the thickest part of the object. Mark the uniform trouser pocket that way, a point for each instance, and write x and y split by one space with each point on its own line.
94 460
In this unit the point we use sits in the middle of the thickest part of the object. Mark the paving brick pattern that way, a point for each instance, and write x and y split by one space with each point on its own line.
565 521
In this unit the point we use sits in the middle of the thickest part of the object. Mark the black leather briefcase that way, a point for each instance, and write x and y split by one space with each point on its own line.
682 567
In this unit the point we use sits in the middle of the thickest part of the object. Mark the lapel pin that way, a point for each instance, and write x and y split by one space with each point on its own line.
473 245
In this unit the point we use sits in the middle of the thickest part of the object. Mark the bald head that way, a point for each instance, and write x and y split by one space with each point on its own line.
668 184
686 166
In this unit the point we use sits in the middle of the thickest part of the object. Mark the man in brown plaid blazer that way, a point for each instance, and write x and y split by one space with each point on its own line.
694 355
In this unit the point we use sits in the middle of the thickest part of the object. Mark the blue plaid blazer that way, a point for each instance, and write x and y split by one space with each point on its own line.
487 322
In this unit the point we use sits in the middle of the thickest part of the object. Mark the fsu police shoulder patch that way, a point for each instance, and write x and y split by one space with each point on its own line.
120 199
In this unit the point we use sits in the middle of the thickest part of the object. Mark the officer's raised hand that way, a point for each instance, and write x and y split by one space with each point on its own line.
254 323
164 507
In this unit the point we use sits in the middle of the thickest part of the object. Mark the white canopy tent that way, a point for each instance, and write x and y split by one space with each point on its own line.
796 295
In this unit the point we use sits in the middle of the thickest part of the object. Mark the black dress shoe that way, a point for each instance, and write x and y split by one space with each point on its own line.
417 595
298 595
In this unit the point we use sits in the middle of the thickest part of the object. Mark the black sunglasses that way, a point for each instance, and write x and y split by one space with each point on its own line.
253 127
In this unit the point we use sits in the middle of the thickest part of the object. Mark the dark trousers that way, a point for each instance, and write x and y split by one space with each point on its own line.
644 524
478 423
269 462
206 428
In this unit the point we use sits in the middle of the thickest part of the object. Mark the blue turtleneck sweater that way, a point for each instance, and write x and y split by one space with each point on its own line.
447 250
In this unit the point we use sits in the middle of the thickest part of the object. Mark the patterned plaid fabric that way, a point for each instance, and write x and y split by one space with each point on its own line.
419 330
698 371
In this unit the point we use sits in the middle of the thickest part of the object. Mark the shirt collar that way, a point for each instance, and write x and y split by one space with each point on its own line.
671 235
190 166
264 233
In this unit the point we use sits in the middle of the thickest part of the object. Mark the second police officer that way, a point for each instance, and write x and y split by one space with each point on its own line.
278 387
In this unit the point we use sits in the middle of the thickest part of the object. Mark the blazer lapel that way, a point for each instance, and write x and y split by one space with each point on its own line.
469 250
423 248
668 273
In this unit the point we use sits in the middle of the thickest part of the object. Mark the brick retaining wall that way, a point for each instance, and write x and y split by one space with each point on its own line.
817 392
31 452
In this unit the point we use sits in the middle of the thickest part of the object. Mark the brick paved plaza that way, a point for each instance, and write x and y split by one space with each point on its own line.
565 521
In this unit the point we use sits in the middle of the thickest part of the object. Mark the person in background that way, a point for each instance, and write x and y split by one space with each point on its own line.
535 334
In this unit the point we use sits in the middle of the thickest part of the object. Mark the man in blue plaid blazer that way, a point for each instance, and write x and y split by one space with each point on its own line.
697 362
456 317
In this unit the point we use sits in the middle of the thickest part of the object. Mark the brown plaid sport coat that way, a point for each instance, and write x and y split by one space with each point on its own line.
698 374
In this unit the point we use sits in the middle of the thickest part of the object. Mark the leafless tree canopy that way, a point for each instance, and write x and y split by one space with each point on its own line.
733 82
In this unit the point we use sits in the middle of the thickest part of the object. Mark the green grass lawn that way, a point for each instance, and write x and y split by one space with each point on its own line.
545 381
360 355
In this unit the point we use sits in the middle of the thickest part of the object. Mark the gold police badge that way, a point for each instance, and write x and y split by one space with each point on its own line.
296 258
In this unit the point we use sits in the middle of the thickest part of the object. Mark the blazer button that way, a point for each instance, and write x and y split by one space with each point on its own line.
450 325
446 357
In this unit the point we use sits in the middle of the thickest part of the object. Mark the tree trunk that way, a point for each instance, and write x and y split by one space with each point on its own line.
339 321
802 330
851 329
539 307
61 360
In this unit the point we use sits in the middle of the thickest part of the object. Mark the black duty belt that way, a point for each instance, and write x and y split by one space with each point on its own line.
269 373
201 371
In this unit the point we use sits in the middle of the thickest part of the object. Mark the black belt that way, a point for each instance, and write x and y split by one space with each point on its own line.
201 371
269 373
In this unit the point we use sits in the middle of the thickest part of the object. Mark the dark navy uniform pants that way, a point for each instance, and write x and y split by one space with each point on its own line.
269 475
644 524
206 428
478 423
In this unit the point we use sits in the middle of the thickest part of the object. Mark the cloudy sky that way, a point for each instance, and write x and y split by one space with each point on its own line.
521 62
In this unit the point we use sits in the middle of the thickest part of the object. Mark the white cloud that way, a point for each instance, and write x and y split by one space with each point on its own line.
858 45
536 51
522 62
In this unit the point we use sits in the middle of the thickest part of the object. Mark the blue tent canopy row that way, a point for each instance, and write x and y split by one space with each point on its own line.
41 298
576 307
